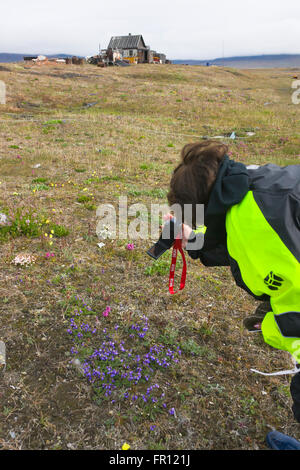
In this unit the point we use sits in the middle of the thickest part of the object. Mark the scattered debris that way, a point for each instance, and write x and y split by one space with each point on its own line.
101 244
43 60
40 58
30 58
78 60
122 63
232 136
89 105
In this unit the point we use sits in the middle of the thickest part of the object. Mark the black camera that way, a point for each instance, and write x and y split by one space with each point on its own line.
166 240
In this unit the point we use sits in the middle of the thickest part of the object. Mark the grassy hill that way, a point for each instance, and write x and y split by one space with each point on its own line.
246 62
72 138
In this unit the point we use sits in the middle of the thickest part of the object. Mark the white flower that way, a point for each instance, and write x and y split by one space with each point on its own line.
104 233
3 219
24 259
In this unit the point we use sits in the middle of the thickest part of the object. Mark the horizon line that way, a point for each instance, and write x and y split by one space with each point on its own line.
284 54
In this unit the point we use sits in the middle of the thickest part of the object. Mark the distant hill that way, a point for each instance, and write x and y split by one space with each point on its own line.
259 61
9 57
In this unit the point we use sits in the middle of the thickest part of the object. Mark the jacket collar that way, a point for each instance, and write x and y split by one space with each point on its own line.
230 187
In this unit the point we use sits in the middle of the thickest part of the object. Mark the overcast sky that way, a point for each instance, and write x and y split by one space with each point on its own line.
182 29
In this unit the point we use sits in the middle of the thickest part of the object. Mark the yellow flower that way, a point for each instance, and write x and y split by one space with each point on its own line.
47 221
52 231
51 236
125 446
46 234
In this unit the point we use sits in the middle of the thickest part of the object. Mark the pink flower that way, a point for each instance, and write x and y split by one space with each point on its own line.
106 311
130 246
49 255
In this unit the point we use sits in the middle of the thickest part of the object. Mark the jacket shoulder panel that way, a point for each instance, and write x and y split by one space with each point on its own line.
276 191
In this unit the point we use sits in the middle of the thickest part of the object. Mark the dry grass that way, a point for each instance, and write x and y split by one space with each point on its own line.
106 133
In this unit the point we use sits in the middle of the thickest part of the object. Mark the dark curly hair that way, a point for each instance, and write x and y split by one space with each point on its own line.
193 178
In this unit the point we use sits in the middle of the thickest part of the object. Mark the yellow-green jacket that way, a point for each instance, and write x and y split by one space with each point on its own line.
253 225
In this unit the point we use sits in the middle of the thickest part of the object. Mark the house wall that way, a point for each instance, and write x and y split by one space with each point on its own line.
139 54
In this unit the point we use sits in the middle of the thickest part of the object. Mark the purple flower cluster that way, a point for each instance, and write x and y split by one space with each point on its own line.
81 329
117 360
113 366
139 330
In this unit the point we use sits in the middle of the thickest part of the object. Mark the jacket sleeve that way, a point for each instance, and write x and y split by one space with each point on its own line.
281 327
209 255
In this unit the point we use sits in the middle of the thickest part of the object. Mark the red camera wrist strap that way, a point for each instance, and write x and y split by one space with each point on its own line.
177 247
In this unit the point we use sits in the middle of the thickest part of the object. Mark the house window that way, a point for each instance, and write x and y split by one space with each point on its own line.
130 53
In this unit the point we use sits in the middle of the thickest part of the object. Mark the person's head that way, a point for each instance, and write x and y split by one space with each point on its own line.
193 178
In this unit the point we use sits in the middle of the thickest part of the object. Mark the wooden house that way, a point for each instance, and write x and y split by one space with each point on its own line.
132 48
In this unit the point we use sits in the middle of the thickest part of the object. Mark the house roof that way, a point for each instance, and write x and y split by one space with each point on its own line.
126 42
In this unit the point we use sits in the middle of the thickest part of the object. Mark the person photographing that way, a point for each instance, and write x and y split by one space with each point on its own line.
252 221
